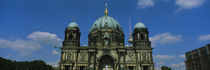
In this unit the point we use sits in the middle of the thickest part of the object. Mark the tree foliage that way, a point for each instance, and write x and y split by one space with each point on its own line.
6 64
165 68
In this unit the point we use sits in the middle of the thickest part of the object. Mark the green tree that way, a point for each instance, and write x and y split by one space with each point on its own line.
6 64
165 68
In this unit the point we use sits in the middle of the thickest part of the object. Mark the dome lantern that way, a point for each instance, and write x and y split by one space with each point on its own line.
139 25
73 24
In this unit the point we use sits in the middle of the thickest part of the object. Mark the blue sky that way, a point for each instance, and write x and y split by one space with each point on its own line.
30 28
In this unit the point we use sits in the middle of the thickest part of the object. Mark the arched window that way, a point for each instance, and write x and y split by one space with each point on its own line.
82 58
74 36
71 37
144 57
69 57
142 37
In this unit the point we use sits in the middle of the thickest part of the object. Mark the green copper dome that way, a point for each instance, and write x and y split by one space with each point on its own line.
106 22
139 25
73 24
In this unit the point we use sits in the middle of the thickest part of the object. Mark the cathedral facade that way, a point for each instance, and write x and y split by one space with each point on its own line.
106 49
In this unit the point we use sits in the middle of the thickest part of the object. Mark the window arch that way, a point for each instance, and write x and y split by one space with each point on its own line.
69 57
142 37
144 57
71 37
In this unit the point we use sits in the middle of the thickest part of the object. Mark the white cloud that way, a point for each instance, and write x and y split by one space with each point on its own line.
54 52
188 4
204 38
182 56
178 65
145 3
25 47
159 63
54 64
8 56
182 4
165 38
163 57
157 68
45 38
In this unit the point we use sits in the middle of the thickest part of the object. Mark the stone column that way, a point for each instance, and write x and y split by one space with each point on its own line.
119 61
62 67
141 68
97 66
65 56
151 57
89 60
114 67
136 57
153 68
124 61
75 55
94 61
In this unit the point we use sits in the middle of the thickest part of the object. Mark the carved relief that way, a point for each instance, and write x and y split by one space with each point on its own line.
82 56
130 56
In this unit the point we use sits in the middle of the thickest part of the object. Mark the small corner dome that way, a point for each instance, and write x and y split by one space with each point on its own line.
139 25
73 24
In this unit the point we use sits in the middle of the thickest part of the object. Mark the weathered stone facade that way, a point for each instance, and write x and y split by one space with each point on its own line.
198 59
106 48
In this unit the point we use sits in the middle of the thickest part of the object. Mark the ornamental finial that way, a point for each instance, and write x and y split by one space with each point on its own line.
138 19
73 19
106 10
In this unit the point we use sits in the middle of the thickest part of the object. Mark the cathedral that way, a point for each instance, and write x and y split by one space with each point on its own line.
106 48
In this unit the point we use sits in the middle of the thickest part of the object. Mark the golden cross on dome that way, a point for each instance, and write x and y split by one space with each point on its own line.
106 10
